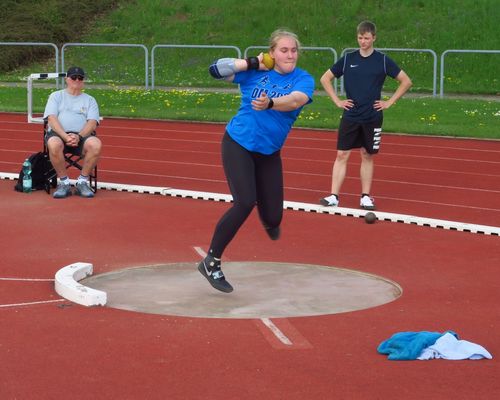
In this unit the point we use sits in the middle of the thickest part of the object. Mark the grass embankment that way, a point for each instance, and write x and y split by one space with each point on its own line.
436 25
53 21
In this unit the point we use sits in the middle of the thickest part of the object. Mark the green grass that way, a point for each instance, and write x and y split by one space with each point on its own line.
54 21
431 116
419 24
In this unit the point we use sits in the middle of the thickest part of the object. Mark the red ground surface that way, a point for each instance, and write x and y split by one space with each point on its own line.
450 279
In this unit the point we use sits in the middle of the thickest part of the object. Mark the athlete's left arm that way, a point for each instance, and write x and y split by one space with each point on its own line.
289 102
404 84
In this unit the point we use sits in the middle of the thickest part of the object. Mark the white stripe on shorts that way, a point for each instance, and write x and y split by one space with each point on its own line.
377 138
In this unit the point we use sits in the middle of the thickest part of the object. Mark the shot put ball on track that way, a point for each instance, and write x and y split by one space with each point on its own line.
370 217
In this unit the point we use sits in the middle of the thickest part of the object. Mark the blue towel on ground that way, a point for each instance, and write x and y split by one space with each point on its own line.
409 345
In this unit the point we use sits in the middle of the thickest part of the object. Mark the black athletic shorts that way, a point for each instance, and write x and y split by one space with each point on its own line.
354 135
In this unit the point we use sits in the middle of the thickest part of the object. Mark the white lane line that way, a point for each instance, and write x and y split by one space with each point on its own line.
200 251
266 321
308 207
30 303
276 331
27 279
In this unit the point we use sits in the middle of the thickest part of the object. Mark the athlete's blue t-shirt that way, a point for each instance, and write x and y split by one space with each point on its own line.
265 131
363 81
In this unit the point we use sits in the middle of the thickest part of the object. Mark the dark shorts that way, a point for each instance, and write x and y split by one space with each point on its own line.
354 135
69 149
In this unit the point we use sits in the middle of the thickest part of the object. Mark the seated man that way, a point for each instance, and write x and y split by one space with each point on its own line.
72 118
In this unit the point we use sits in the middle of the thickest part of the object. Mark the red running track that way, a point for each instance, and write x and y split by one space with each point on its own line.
444 178
450 279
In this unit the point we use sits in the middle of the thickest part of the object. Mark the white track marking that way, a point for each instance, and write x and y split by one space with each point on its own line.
266 321
306 207
276 331
31 303
27 279
200 251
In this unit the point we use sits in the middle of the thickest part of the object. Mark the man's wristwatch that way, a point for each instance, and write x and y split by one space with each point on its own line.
270 104
80 137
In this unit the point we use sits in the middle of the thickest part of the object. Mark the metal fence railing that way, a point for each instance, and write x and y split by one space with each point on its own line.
146 68
185 46
441 74
150 68
56 50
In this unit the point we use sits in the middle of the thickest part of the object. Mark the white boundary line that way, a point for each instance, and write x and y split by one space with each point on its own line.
27 279
274 329
200 251
31 303
266 321
298 206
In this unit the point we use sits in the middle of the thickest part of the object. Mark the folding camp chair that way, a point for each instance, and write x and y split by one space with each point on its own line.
72 158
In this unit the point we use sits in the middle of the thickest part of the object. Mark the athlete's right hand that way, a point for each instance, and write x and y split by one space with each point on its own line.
261 103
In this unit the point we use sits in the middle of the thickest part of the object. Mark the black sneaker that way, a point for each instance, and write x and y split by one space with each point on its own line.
273 233
210 269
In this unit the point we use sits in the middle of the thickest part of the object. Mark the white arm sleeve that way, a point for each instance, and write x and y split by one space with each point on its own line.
222 68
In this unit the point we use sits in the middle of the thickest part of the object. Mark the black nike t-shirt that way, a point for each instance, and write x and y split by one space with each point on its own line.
363 81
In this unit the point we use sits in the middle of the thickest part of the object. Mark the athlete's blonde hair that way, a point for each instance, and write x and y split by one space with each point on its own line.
278 34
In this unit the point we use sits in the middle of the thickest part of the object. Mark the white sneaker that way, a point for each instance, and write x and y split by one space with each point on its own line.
63 190
367 203
330 201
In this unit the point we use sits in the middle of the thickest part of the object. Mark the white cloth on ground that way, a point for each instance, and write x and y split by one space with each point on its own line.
450 348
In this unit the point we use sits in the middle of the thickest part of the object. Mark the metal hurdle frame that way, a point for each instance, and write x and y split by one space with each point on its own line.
31 78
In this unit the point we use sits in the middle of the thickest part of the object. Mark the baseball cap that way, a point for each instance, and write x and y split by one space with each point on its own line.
75 71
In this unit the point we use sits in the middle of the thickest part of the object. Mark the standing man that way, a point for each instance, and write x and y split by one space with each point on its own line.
72 117
364 72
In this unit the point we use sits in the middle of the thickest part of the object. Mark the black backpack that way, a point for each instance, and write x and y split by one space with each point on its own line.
40 167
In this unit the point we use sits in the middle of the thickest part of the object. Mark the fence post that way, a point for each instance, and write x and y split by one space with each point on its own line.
146 67
37 44
441 76
187 46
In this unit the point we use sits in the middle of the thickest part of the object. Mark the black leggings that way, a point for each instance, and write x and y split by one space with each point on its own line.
253 178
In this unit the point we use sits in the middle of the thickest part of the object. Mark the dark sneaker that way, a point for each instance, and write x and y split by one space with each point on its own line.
367 203
273 233
330 201
210 269
83 189
63 190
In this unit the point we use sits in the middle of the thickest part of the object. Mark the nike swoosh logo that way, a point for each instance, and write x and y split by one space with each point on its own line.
354 66
209 273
